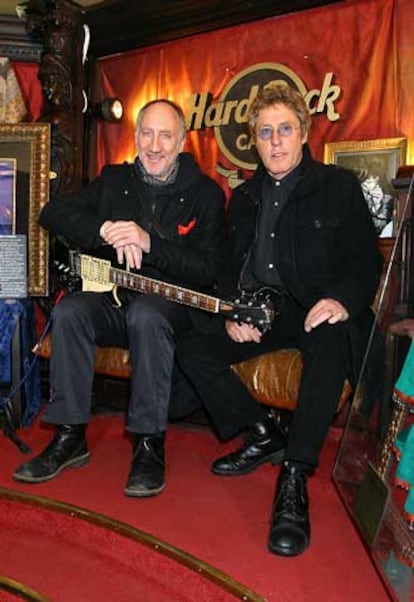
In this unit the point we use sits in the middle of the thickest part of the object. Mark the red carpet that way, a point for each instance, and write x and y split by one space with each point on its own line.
67 559
222 521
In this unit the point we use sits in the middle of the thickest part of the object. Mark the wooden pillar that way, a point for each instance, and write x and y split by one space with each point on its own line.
61 74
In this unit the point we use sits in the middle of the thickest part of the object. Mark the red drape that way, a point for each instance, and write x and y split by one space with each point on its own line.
365 45
26 74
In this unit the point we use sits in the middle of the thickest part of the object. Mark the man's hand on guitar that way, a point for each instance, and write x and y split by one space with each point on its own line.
243 333
128 239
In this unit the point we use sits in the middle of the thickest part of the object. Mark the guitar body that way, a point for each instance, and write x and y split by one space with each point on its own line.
96 287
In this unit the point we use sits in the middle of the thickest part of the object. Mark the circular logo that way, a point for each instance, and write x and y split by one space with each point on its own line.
232 134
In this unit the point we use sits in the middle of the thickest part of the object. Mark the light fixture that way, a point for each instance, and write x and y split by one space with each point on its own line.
110 109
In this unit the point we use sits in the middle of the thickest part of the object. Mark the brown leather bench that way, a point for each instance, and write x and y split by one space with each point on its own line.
272 378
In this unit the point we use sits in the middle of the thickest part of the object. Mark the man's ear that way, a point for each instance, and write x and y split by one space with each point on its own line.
304 138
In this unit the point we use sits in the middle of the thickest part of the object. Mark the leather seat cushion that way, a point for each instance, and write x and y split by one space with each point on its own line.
273 378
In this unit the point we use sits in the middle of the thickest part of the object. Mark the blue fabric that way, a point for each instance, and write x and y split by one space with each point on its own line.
409 504
405 382
405 469
10 314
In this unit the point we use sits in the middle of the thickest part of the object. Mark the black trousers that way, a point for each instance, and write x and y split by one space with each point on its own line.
206 360
148 326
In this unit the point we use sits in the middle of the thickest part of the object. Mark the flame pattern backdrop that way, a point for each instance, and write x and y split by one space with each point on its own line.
361 49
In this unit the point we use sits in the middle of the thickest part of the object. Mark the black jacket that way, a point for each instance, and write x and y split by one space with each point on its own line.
327 245
191 212
326 240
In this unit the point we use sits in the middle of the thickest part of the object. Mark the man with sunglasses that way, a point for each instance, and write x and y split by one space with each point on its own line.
303 229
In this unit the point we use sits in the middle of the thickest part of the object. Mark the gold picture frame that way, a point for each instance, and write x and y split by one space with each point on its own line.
29 145
375 162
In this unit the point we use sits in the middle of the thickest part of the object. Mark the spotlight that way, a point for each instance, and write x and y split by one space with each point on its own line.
110 109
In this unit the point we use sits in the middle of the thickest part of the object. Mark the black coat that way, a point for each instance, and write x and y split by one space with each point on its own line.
326 240
188 252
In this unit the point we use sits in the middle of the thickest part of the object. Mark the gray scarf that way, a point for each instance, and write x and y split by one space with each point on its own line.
153 180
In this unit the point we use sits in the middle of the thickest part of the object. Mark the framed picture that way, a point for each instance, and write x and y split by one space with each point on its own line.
24 190
375 162
7 196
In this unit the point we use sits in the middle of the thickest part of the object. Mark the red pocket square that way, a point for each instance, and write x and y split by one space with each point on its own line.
183 230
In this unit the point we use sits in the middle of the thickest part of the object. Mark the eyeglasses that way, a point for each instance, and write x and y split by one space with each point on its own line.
284 129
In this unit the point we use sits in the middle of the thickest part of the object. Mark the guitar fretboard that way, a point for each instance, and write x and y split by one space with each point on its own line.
150 286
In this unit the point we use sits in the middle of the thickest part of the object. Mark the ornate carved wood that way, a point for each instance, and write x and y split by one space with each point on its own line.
61 75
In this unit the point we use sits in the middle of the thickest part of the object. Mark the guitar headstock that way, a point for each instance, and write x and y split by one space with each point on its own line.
68 273
258 308
246 309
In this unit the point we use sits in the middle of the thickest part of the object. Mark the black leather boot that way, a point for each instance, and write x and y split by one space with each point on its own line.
68 448
264 442
290 529
147 475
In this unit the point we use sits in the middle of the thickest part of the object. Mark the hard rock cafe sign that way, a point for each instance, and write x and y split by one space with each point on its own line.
228 116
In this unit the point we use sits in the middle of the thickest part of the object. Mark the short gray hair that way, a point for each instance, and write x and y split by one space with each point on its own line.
176 108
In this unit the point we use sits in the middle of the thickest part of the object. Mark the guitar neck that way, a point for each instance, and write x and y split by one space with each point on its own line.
100 272
150 286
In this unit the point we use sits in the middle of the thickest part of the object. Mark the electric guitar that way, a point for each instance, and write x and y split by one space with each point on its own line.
98 275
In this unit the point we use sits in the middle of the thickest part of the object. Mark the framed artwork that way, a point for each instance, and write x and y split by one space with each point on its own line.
375 162
7 195
24 190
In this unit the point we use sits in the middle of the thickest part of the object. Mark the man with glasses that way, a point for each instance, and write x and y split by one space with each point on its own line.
303 229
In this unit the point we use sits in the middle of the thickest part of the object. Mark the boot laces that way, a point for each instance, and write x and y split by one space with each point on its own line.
149 450
291 494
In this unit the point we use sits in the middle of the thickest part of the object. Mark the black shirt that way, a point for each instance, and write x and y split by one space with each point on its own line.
264 256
